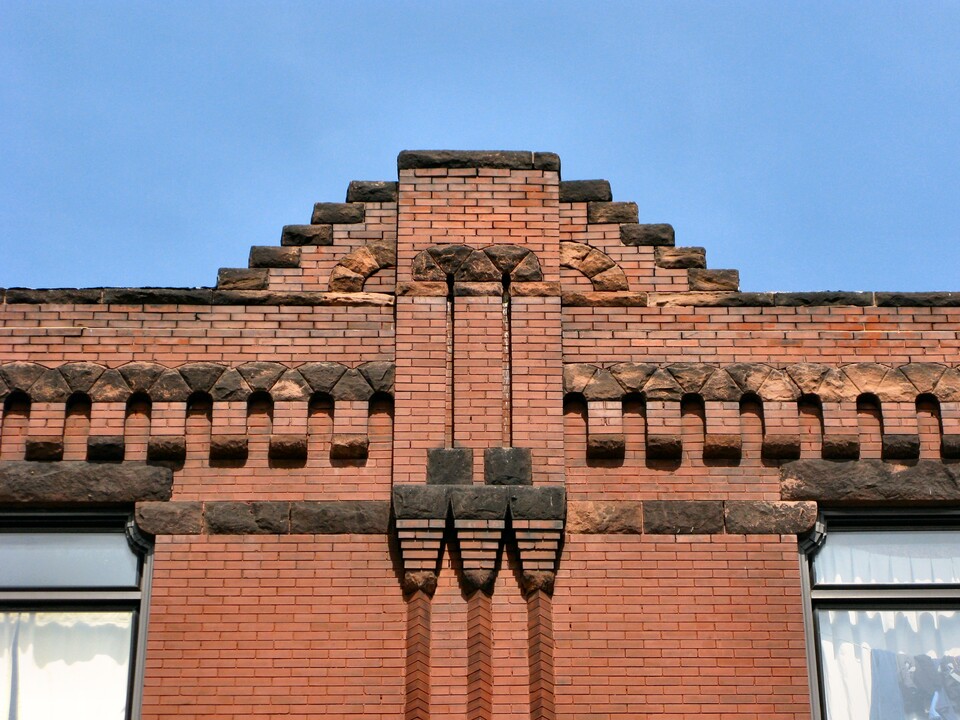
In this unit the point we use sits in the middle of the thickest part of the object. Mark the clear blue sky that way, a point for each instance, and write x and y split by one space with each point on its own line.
811 145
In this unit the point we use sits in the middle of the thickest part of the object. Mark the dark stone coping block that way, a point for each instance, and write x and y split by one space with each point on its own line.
605 517
337 213
420 502
500 159
300 235
722 446
754 517
869 482
105 448
268 256
81 482
647 234
616 298
534 289
710 299
288 447
664 447
478 502
228 447
917 299
780 446
242 279
681 258
58 296
246 518
477 289
705 280
544 502
383 191
167 448
612 212
950 447
823 299
450 466
900 447
170 518
340 517
606 446
44 448
572 191
349 446
157 296
840 447
682 517
507 466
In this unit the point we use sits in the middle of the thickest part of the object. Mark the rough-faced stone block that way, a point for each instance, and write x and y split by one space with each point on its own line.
572 191
261 375
80 482
337 213
201 376
322 376
105 448
167 448
358 517
650 235
352 386
746 517
664 447
682 517
605 517
478 502
81 376
170 387
547 502
228 447
288 447
502 159
343 279
50 387
379 374
840 447
242 279
243 518
450 466
157 296
869 482
170 518
230 386
478 268
780 446
54 296
420 502
305 235
612 212
477 289
714 280
349 446
900 447
950 447
268 256
360 191
110 387
823 299
681 258
606 446
722 446
578 298
44 449
507 466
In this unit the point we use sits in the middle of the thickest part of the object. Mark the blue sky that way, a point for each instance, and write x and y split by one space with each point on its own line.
811 145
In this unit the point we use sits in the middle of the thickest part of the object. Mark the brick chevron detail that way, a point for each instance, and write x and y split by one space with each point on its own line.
417 678
479 657
540 634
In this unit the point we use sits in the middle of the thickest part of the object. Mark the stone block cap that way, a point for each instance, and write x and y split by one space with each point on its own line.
501 159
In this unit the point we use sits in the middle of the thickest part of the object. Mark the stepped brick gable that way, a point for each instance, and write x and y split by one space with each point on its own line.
477 442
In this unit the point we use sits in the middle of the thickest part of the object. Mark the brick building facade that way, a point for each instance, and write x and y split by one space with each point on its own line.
476 443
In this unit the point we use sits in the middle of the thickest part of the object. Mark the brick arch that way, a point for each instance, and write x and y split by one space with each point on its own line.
467 264
602 271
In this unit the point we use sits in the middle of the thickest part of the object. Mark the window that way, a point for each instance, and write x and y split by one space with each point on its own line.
884 608
71 631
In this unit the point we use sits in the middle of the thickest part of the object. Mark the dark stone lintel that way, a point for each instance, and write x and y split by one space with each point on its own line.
81 482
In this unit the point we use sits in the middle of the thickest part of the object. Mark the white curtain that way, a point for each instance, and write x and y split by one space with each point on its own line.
855 558
847 639
65 664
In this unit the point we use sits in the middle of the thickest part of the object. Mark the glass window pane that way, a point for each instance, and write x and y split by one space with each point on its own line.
890 664
904 557
60 560
65 664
